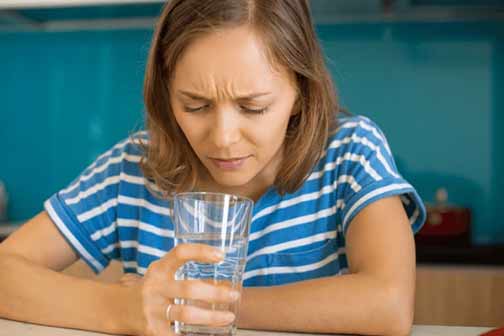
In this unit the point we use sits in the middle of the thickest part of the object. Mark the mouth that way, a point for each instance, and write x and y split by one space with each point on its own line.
229 163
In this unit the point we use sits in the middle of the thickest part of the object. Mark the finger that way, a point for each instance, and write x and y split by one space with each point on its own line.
183 253
156 322
199 316
160 327
204 291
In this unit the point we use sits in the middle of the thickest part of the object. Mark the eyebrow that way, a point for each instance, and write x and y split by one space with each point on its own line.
196 96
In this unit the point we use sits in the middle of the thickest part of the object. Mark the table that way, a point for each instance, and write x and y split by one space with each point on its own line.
13 328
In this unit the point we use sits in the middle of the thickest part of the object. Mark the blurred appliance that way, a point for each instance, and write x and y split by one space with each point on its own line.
446 224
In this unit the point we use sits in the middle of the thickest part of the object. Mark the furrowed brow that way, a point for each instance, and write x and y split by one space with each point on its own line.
196 96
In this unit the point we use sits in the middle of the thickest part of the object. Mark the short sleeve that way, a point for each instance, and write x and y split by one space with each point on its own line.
85 211
365 159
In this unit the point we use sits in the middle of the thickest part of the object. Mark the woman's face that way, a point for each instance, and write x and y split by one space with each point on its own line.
233 107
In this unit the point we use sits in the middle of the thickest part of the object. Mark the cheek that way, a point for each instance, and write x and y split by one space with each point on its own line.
270 134
190 128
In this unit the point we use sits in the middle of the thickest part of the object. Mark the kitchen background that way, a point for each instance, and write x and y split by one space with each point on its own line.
429 72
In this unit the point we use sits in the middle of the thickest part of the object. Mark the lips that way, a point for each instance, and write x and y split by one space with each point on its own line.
231 159
229 164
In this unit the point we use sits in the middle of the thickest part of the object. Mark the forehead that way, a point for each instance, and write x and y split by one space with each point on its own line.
233 59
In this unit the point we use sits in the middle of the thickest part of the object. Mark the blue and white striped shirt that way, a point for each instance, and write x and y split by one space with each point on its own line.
108 212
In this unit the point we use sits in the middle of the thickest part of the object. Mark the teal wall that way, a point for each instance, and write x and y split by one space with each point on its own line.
64 99
437 92
435 89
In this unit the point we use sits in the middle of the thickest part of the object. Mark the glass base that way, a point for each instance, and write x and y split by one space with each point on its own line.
197 330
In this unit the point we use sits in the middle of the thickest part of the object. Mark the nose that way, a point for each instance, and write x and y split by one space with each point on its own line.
225 131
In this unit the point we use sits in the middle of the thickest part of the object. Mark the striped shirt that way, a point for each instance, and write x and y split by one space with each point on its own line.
108 213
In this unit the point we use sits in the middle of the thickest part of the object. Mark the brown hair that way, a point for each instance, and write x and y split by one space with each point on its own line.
287 32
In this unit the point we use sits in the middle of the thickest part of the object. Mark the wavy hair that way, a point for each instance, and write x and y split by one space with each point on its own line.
286 30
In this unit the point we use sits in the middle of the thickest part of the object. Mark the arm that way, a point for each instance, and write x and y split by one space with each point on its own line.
32 290
376 297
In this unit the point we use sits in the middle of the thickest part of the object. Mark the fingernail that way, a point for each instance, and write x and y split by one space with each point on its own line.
228 316
234 295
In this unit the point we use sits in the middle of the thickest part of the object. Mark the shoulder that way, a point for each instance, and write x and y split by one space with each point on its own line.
356 135
118 163
128 149
359 148
357 130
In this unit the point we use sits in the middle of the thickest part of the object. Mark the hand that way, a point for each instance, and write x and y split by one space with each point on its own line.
130 279
158 289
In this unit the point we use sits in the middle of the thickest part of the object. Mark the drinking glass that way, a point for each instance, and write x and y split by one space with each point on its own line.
222 221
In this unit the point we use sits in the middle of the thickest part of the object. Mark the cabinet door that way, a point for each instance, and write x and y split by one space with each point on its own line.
458 295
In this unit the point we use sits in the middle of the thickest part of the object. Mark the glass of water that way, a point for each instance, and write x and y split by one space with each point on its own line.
222 221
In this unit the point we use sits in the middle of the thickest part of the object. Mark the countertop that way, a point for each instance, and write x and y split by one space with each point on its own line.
13 328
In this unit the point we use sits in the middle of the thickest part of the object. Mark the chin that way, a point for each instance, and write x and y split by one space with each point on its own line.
232 179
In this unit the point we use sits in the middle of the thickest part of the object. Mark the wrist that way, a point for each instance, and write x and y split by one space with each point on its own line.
250 300
125 308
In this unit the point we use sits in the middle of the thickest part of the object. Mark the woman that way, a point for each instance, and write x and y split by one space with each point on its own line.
239 101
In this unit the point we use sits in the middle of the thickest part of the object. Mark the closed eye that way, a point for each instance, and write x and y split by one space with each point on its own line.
254 111
195 109
243 108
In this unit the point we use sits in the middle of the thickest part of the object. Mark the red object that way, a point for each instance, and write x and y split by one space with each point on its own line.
446 221
494 332
446 224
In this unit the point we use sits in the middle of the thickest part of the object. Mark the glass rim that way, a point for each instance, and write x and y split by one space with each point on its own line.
182 195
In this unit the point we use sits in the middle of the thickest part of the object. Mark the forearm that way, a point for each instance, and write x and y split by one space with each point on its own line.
31 293
352 303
